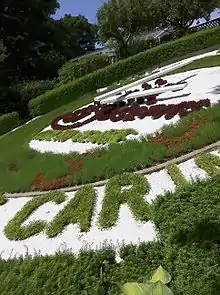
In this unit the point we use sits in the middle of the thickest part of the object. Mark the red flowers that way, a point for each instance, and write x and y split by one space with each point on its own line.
126 113
177 141
43 184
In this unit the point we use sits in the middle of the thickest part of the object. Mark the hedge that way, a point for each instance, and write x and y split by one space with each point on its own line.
124 68
32 89
8 122
73 69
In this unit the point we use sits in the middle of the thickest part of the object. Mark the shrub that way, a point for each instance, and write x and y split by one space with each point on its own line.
191 215
8 122
72 69
94 136
3 198
125 68
115 196
14 230
78 210
32 89
176 175
196 270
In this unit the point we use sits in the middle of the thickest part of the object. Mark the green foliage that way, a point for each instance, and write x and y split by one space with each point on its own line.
121 21
89 273
180 15
155 285
8 122
94 136
125 68
135 289
3 198
210 163
160 274
14 230
176 175
78 210
73 69
117 193
190 215
195 269
32 89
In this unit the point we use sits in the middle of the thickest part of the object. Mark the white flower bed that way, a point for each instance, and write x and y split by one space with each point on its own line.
127 230
201 85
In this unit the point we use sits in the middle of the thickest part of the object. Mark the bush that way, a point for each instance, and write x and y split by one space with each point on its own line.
32 89
140 45
73 69
91 272
188 224
195 270
190 215
125 68
8 122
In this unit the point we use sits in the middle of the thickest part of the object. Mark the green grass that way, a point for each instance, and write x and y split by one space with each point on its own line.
15 150
205 62
129 156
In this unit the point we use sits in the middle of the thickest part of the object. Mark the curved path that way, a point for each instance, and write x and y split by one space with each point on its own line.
149 170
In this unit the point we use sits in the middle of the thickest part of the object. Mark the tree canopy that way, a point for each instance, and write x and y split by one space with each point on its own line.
121 20
180 14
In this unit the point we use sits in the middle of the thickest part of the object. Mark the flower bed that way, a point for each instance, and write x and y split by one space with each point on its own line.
174 142
93 136
41 183
125 113
128 192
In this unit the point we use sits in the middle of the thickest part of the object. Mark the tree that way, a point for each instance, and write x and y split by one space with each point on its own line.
80 35
180 14
120 21
21 29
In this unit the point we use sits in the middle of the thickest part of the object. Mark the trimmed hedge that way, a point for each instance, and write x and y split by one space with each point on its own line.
176 175
8 122
124 68
134 197
93 136
15 230
32 89
72 69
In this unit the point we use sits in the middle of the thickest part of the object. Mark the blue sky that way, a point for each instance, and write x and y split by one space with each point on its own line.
84 7
89 8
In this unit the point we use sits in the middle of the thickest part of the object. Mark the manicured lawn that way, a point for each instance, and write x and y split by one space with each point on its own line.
206 62
128 156
15 150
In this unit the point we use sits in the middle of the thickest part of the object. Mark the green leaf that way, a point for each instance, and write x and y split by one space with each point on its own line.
135 289
159 275
159 288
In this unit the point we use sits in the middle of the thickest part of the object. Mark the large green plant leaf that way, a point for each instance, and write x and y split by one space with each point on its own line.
135 289
158 288
159 275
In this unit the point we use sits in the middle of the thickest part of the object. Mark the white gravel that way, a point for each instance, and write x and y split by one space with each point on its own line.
125 232
202 84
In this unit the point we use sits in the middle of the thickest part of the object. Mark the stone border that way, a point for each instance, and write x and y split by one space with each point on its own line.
149 170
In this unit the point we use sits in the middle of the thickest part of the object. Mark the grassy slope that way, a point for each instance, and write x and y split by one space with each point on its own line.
206 62
15 150
135 155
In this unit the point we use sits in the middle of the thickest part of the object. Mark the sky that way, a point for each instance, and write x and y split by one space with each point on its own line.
87 8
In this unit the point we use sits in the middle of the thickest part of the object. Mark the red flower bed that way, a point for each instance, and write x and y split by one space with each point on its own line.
43 184
177 141
127 113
